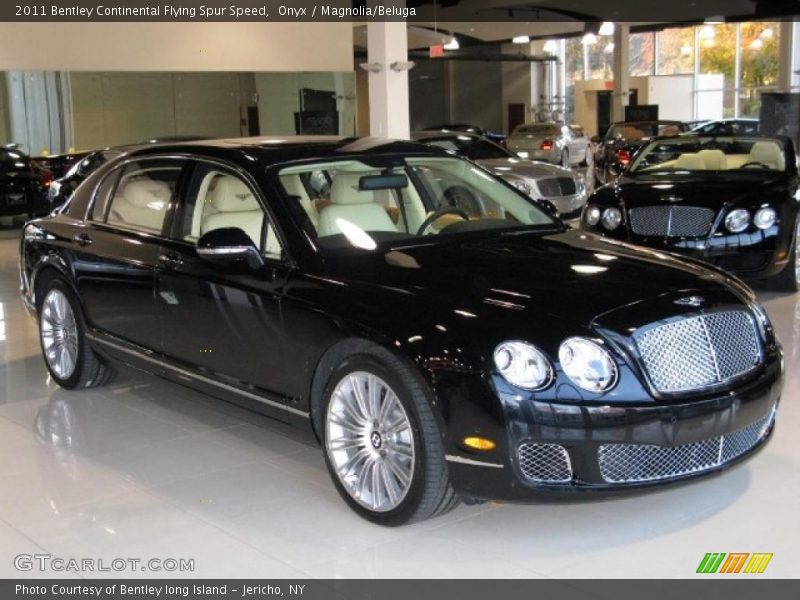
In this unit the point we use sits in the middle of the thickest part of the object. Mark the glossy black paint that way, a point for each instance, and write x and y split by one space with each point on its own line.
22 185
267 337
752 254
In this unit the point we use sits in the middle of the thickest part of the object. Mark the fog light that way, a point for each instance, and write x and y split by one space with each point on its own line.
765 218
612 217
737 220
479 443
592 216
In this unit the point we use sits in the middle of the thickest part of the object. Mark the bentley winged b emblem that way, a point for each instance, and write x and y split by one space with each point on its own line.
691 301
671 198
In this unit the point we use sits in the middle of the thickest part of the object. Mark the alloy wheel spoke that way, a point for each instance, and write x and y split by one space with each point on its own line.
358 395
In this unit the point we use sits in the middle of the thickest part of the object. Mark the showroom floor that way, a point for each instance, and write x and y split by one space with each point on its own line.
148 469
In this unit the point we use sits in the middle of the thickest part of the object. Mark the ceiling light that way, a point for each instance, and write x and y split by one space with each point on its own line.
520 39
551 46
686 50
589 39
707 32
756 44
452 44
609 49
767 33
607 28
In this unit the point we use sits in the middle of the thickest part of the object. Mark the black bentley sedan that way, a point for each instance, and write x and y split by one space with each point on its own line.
23 184
435 354
730 201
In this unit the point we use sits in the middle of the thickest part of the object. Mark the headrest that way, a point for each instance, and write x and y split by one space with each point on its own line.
768 153
344 190
714 160
232 195
690 161
147 193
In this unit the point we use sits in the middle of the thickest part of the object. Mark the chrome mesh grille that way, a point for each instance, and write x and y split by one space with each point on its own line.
698 352
631 463
555 187
545 463
671 221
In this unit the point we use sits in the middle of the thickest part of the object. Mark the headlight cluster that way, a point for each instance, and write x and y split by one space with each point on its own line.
522 186
610 218
739 219
587 364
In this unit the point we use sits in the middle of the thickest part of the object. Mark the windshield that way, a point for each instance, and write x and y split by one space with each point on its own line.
697 153
471 147
352 204
643 129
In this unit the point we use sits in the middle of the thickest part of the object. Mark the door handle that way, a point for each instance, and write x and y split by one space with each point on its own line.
171 259
82 239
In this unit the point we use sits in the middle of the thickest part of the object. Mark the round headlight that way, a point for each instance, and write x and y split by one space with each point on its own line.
612 217
587 364
737 220
765 218
592 216
523 365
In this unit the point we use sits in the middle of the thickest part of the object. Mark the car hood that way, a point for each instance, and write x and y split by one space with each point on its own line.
524 168
708 190
571 276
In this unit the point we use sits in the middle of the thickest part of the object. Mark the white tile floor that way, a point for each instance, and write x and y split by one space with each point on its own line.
144 468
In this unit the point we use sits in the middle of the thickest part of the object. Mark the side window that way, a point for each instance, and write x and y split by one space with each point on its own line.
103 195
218 198
143 194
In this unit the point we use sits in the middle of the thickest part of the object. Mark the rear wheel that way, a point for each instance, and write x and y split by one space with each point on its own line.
67 354
382 444
788 280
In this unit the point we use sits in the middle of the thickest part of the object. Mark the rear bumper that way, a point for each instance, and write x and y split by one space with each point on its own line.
608 449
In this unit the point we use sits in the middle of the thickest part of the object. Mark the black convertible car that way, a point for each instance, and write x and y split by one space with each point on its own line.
731 201
436 355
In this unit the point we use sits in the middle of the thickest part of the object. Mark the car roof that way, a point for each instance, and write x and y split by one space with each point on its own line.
283 149
443 135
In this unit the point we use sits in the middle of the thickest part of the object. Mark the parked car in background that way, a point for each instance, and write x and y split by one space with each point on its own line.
58 164
497 138
441 355
565 190
729 201
556 143
614 151
23 184
728 127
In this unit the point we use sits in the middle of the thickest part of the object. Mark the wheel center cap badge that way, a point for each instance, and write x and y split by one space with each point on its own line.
691 301
375 439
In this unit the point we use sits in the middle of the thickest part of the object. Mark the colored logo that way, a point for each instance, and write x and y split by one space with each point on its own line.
735 562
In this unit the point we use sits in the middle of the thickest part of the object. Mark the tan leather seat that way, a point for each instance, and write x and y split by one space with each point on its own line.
351 205
689 161
142 203
236 207
714 160
767 153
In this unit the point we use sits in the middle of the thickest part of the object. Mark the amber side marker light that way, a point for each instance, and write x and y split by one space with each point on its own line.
479 443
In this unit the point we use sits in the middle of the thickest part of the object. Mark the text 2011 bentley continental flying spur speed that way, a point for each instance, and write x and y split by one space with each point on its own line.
435 354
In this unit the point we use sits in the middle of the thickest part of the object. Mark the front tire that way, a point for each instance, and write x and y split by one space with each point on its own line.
382 445
70 360
788 280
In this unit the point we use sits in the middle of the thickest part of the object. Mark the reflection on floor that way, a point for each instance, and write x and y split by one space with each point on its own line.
147 469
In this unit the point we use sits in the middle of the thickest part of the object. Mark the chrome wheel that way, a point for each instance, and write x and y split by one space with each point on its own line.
369 441
59 333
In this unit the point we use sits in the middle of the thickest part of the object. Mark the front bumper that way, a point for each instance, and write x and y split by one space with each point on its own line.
609 449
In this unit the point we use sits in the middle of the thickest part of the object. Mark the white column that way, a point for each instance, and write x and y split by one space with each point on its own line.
622 69
40 110
388 88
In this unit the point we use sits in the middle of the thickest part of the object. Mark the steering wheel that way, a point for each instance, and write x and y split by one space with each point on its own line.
434 216
755 163
461 197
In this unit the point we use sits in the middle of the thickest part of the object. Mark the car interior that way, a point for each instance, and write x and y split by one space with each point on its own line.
765 155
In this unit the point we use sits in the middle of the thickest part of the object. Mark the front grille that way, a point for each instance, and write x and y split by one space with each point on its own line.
545 463
699 352
632 463
556 187
671 221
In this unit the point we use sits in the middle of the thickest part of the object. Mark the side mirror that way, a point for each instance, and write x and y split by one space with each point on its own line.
595 139
229 245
